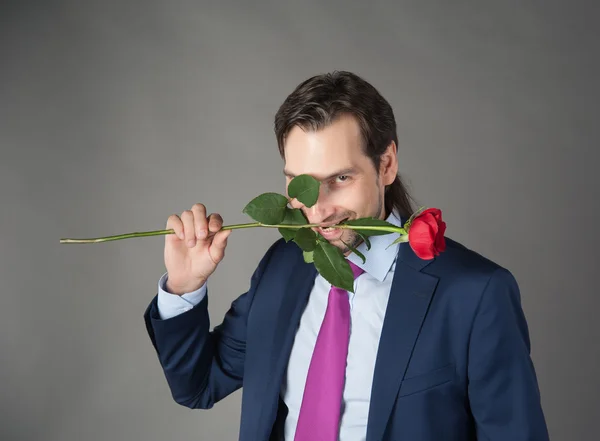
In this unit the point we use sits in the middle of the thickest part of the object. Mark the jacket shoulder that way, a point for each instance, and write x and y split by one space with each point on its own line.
459 254
459 262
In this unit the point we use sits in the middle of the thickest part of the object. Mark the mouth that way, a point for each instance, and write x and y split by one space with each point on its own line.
328 230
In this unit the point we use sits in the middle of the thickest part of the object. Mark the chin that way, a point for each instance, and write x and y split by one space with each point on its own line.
348 238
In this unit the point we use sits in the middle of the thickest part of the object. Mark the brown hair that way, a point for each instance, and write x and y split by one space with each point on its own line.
320 100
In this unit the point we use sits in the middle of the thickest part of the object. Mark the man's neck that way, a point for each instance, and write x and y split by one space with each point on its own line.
385 214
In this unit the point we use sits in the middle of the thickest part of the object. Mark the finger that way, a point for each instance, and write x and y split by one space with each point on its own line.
219 243
174 222
215 222
189 231
200 222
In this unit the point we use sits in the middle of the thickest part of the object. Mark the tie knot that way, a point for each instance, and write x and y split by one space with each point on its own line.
356 270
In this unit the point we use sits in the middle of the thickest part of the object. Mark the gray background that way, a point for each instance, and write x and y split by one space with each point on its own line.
114 115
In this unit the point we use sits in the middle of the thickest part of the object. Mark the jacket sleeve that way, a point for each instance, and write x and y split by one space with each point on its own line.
203 367
170 305
502 384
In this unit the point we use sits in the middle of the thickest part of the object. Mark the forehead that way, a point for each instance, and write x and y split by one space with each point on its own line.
336 146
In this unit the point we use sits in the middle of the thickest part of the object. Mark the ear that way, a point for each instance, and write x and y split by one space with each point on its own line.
388 167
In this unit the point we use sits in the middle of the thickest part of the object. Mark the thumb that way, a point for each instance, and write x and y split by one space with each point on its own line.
219 242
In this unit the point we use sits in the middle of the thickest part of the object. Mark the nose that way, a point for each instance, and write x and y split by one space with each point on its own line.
295 203
316 213
320 211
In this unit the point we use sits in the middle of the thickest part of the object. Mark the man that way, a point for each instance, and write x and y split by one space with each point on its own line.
435 349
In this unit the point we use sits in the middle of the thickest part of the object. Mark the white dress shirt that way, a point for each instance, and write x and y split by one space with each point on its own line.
368 304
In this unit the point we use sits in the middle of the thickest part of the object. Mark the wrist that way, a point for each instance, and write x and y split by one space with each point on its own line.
174 287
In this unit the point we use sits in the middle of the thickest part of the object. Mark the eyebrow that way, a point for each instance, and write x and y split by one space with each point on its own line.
346 171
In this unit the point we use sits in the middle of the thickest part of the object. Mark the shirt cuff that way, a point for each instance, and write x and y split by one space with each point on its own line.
171 305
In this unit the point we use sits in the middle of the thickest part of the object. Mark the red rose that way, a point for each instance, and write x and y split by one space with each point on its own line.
426 234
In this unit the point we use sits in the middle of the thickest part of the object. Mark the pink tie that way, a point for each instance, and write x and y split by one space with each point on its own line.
319 418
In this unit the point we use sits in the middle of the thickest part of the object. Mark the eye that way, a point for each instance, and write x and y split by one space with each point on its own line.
342 178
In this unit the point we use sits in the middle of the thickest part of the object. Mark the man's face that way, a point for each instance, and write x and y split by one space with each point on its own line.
350 185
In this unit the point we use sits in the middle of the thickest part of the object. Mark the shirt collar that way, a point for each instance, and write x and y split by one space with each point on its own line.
380 258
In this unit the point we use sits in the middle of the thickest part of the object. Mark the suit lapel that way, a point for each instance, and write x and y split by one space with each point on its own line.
408 303
295 298
293 302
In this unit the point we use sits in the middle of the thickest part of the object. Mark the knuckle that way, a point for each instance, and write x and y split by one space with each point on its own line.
201 224
173 220
215 220
199 207
175 223
201 227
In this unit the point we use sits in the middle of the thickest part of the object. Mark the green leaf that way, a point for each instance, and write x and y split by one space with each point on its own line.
305 188
332 265
355 251
308 256
399 240
408 223
268 208
288 233
370 222
365 238
306 239
293 216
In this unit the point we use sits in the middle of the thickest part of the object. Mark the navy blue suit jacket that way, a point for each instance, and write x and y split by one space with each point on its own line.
453 361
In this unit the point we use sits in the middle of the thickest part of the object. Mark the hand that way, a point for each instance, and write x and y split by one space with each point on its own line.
194 251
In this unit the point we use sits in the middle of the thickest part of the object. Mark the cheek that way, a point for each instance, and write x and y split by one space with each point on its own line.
358 197
368 199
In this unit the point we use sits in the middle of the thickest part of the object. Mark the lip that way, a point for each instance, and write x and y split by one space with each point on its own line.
332 234
331 224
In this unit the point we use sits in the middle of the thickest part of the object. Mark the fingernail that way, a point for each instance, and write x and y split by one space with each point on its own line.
191 243
201 234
